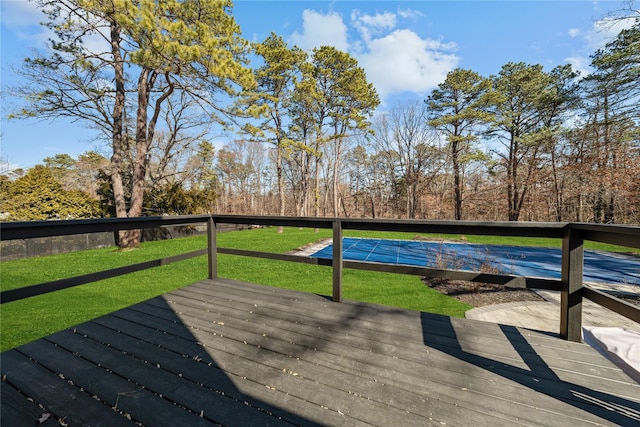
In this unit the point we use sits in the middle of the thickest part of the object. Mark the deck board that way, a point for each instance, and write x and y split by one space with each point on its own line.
398 331
231 353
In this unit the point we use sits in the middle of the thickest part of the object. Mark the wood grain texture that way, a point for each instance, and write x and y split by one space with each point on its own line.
230 353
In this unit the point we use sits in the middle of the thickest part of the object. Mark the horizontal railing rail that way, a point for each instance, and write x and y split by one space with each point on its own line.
570 285
33 229
58 285
36 229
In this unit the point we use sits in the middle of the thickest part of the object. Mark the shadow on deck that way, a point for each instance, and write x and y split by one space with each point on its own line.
232 353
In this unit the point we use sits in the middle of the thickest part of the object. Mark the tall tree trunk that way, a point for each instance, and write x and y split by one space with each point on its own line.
145 131
140 160
512 181
556 187
316 187
457 181
280 177
609 213
598 205
118 137
373 207
335 177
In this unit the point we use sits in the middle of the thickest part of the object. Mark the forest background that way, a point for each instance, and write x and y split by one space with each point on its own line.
524 144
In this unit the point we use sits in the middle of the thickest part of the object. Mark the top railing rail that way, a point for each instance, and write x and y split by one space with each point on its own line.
33 229
623 235
572 235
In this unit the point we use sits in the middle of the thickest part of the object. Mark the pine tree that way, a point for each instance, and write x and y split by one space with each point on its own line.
458 107
150 50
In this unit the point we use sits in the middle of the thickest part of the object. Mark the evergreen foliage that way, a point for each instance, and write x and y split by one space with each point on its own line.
524 144
39 195
154 49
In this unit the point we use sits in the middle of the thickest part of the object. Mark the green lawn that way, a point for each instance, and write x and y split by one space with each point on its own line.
32 318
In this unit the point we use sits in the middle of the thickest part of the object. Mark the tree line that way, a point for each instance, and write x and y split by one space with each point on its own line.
525 144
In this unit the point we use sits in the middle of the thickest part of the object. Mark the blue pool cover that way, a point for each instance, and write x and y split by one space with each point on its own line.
599 267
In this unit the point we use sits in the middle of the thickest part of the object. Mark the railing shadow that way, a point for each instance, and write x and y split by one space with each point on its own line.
145 363
540 377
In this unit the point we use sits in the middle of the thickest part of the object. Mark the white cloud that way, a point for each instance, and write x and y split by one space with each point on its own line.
8 169
379 21
606 30
369 25
404 62
395 60
321 30
581 64
409 13
601 32
23 18
20 13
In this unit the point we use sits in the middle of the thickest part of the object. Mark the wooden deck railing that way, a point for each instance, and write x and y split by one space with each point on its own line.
570 284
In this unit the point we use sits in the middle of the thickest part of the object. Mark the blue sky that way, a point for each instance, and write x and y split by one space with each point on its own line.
406 49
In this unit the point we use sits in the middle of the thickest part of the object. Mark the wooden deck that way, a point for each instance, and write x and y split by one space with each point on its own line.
231 353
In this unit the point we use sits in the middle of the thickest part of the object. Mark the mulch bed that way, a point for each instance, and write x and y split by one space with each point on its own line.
480 294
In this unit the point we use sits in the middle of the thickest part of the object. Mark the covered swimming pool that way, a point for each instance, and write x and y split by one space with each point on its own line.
599 267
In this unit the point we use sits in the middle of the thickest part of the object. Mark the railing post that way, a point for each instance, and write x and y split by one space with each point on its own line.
212 252
337 261
571 294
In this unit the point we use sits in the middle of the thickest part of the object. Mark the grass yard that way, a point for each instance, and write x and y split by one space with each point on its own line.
32 318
